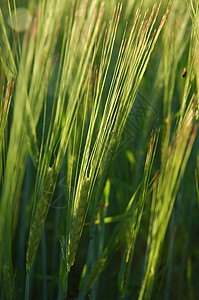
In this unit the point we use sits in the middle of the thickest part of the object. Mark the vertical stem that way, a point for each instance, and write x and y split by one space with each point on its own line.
44 267
27 287
66 289
82 294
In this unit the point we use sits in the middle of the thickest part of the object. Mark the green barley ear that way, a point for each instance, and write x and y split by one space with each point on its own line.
132 224
166 188
77 221
128 222
41 210
132 62
32 79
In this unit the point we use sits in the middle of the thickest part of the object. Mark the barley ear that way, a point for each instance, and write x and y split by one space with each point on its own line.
77 222
39 218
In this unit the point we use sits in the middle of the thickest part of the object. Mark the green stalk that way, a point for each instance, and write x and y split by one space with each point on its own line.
44 265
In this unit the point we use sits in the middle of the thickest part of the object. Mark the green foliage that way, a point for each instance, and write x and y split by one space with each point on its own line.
94 112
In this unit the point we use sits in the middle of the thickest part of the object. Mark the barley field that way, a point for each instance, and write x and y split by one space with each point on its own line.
99 149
